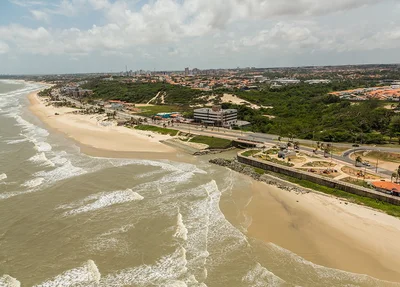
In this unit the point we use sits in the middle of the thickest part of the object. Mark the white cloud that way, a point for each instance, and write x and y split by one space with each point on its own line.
185 29
99 4
4 48
40 15
286 36
27 3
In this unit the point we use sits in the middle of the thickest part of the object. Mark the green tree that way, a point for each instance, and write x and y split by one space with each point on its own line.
398 174
394 175
394 126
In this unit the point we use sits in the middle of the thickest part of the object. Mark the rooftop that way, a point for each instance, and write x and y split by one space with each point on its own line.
386 185
210 110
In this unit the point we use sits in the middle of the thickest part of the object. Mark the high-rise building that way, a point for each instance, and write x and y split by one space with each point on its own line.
187 71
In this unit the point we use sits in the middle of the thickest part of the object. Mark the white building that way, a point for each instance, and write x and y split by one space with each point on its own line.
216 116
313 82
286 81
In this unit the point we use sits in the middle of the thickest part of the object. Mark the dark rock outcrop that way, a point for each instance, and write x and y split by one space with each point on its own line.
249 171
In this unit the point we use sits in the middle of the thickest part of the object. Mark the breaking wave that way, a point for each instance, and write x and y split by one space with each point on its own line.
168 271
8 281
33 182
81 276
41 158
102 200
260 277
16 141
181 230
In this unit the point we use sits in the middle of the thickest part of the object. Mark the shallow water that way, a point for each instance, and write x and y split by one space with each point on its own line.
68 219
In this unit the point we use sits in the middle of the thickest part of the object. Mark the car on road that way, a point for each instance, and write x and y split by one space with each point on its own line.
355 145
366 163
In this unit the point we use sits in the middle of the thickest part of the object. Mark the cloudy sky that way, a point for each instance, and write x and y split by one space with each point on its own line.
68 36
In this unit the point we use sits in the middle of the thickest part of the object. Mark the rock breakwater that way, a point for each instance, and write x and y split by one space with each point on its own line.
250 171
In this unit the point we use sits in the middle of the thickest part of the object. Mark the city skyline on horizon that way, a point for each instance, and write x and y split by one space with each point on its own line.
206 69
90 36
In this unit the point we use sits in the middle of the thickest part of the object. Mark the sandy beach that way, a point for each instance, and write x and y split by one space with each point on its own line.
326 231
88 131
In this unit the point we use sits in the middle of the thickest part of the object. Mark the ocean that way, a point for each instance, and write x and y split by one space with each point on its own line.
69 219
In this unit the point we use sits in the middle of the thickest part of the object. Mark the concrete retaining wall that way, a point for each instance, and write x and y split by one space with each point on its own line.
351 188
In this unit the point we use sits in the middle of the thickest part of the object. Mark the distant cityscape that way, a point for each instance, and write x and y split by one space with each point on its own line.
381 79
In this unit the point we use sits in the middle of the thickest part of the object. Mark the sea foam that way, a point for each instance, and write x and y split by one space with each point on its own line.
170 269
259 277
65 171
105 199
81 276
181 230
16 141
8 281
33 182
3 176
41 159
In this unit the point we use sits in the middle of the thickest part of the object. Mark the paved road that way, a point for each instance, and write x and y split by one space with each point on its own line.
272 139
260 137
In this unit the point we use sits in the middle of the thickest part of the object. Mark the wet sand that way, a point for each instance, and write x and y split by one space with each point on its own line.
326 231
86 130
321 229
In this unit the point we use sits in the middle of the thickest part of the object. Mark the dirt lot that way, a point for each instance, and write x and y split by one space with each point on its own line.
358 173
319 164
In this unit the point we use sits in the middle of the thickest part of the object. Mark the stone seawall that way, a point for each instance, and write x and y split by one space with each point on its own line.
249 171
347 187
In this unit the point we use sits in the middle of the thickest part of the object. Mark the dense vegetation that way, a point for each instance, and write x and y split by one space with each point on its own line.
302 111
307 111
144 92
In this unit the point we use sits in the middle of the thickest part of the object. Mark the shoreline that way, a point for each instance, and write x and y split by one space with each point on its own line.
317 227
323 229
326 231
94 138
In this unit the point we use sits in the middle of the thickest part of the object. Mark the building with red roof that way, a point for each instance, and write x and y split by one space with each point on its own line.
387 187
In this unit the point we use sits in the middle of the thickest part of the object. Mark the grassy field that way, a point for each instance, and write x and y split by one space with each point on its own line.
157 130
356 182
213 143
250 153
153 110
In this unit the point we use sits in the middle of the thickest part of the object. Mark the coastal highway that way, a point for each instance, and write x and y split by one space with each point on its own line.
273 139
259 137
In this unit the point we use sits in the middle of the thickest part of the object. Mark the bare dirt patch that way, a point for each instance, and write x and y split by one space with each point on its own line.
328 172
358 173
319 164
